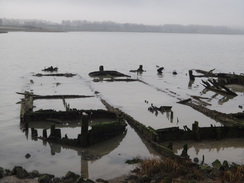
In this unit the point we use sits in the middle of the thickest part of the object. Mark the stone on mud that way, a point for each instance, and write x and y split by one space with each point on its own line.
19 172
71 176
45 178
1 172
216 164
34 174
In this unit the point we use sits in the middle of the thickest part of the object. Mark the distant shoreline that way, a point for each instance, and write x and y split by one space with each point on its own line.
108 26
6 30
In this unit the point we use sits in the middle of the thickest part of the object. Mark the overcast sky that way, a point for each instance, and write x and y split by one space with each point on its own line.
153 12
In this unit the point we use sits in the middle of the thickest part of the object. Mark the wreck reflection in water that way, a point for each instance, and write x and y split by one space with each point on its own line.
225 149
90 154
116 150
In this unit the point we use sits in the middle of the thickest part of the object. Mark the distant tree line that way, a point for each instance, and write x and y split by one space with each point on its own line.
108 26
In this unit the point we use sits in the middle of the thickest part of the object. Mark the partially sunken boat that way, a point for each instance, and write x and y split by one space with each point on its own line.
107 73
95 125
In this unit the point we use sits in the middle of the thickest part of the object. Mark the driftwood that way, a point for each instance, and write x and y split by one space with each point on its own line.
53 96
165 108
223 78
226 79
58 75
139 70
113 79
160 70
217 87
204 74
200 99
50 69
239 115
184 101
226 119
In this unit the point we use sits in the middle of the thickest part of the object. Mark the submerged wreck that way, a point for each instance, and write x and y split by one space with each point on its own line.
216 82
98 132
50 69
223 78
232 119
110 76
95 125
116 120
107 73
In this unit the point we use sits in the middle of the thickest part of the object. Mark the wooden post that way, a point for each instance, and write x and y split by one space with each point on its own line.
218 133
192 78
170 146
52 130
140 69
184 151
44 133
55 133
195 130
101 68
171 116
26 107
84 169
34 133
84 130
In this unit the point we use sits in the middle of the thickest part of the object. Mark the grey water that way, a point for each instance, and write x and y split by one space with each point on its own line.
23 54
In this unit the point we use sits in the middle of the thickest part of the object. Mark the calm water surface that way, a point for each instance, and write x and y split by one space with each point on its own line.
22 54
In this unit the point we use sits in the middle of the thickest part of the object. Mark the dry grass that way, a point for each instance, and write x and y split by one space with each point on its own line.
234 175
169 168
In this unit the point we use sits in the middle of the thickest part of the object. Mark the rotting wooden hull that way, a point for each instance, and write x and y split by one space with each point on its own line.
107 74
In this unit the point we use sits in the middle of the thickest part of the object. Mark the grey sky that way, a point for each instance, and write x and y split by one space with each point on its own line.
154 12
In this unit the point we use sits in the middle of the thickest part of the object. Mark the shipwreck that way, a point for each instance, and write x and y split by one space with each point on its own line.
95 125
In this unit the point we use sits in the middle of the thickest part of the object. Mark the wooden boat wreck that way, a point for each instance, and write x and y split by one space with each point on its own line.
213 85
107 73
222 78
50 69
96 124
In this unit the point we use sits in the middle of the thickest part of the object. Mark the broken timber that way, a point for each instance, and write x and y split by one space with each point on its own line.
226 119
217 87
58 75
199 133
107 73
223 78
204 74
156 137
50 69
53 96
116 80
98 132
147 132
28 115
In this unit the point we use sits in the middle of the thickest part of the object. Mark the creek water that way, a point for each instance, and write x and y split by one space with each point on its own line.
23 54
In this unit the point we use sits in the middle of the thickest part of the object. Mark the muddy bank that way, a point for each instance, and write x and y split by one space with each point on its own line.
20 175
168 170
146 170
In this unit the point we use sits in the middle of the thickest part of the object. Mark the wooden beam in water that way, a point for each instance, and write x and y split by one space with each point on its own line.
54 96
